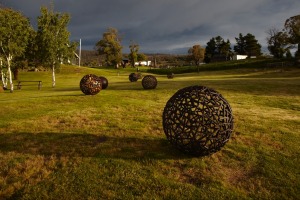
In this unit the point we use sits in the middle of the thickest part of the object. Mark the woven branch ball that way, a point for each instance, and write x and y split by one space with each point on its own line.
170 75
104 82
197 120
149 82
133 77
90 84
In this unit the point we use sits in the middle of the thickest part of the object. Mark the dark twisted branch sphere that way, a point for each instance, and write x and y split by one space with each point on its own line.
133 77
90 84
197 120
104 82
149 82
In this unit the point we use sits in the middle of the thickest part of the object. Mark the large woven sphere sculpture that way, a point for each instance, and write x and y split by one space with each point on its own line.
104 82
133 77
197 120
90 84
149 82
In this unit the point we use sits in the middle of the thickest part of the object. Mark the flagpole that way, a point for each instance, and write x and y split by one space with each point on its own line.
79 51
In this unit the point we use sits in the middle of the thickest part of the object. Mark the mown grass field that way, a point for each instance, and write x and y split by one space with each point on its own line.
58 143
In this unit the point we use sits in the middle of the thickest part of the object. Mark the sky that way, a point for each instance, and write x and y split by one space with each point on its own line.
165 26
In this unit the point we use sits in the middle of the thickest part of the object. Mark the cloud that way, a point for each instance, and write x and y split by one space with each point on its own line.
169 25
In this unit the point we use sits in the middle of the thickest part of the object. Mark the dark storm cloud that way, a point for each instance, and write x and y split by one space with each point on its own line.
168 25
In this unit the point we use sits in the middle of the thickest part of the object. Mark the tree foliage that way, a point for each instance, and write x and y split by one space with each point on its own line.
217 47
133 55
197 54
14 33
277 43
53 39
292 29
247 45
110 46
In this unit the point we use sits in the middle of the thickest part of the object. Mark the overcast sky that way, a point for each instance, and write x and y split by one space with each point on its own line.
165 26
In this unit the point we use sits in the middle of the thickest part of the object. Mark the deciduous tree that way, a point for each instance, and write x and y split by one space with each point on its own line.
197 54
53 39
110 46
133 55
292 28
14 33
277 42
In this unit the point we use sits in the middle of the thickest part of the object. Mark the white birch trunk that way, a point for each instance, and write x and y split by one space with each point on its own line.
9 58
3 78
53 75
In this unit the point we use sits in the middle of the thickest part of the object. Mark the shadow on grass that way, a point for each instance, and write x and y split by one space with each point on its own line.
88 145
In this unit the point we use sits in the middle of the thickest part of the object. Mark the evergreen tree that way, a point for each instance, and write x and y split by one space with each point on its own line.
240 45
247 45
217 47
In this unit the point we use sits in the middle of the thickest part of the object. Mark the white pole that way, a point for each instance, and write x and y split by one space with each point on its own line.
79 51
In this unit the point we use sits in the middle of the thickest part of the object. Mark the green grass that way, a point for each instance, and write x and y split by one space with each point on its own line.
58 143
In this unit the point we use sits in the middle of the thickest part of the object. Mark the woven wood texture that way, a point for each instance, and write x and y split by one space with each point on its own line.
149 82
90 84
197 120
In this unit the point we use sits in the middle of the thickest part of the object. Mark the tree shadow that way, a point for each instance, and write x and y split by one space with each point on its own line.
88 145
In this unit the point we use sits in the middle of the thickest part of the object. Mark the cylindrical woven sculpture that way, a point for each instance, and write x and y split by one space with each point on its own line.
197 120
90 84
104 82
149 82
133 77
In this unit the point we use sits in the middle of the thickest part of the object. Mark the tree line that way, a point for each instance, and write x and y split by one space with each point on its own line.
49 45
280 42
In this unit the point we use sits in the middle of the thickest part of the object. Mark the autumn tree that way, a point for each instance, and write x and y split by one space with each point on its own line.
196 54
110 46
52 39
247 45
292 29
14 33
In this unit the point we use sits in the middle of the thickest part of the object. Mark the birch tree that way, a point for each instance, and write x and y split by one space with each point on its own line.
14 33
53 39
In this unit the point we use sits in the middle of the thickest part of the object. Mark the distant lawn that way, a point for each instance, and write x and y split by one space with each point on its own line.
57 143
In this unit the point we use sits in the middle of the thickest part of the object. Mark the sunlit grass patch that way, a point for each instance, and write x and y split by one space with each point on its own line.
59 143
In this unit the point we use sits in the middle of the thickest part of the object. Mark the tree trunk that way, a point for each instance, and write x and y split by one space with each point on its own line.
53 75
16 74
3 78
9 58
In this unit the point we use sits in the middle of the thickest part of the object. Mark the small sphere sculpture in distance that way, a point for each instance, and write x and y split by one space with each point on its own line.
197 120
149 82
170 75
104 82
133 77
90 84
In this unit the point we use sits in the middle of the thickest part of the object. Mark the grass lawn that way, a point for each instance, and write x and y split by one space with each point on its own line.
57 143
